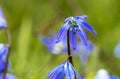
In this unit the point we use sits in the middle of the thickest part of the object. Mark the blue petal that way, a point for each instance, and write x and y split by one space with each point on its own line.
85 51
69 73
90 46
1 13
83 17
3 23
84 57
117 50
73 40
82 36
77 74
102 74
1 50
46 41
8 76
62 32
59 74
1 54
88 26
2 66
68 19
54 70
64 41
11 76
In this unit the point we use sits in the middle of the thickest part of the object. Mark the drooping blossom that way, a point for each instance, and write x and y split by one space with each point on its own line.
65 70
76 26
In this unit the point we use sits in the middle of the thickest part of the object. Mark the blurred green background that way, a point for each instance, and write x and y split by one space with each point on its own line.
29 19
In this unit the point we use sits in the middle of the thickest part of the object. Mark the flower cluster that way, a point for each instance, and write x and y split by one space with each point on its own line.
65 70
4 51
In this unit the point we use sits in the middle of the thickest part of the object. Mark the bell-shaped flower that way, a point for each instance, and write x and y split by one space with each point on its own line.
76 26
65 70
3 23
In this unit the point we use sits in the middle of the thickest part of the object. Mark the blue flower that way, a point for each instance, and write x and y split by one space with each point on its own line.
3 55
102 74
3 23
117 51
65 70
8 76
76 26
53 47
84 51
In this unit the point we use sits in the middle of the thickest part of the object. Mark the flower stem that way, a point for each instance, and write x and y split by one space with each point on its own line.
68 46
9 48
69 52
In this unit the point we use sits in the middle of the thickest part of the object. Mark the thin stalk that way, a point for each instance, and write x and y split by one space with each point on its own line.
9 48
68 46
69 52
